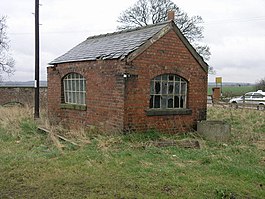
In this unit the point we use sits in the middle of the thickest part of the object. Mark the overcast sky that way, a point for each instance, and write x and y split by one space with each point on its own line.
234 30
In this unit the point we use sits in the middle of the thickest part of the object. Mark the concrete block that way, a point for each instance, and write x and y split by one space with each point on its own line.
214 130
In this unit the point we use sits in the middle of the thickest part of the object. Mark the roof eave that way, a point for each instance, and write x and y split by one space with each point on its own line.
83 60
70 61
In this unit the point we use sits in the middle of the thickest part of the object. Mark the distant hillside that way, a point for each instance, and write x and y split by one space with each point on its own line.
22 84
232 84
44 84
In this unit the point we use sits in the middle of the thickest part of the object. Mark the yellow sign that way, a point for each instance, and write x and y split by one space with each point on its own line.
218 80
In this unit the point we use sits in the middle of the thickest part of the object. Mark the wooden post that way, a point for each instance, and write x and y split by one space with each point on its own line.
37 60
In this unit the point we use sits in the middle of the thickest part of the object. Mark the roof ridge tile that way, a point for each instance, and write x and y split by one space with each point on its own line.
128 30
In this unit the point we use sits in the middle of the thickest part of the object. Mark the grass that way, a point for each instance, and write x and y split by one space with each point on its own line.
36 165
232 91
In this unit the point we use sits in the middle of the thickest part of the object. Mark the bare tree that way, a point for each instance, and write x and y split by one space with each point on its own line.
145 12
6 61
260 85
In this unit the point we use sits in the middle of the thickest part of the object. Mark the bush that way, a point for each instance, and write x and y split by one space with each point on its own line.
260 85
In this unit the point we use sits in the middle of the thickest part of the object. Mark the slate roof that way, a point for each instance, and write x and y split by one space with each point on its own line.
124 44
110 46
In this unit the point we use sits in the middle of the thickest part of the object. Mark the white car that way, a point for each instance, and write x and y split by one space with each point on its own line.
251 98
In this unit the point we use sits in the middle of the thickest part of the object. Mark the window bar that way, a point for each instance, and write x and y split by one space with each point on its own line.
84 90
186 89
69 90
153 94
78 91
66 91
75 93
161 91
174 92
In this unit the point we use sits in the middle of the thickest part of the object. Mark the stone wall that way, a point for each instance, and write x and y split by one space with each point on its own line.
22 95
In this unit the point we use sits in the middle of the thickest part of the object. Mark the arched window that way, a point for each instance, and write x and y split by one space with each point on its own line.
168 91
74 87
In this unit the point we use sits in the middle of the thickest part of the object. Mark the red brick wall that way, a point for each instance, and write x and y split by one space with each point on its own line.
167 55
118 103
104 94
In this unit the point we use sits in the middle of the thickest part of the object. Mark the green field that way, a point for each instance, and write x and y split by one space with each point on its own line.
231 91
36 165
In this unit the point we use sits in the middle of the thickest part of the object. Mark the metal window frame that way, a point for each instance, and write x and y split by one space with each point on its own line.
164 78
72 94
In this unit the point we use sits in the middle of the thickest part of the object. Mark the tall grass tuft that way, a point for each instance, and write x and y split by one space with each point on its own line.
247 125
11 118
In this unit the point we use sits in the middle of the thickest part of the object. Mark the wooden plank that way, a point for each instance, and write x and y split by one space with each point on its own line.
59 136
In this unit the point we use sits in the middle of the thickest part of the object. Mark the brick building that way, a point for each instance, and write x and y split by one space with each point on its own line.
140 79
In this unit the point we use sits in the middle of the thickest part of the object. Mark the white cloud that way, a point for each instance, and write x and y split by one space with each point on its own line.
234 30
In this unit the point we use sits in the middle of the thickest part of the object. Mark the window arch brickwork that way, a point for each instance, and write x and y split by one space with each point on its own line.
168 91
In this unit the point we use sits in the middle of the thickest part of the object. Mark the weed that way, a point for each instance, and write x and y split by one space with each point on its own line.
225 194
150 135
28 127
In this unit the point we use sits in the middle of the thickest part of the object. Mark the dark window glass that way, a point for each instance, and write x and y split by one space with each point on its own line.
157 87
157 101
170 101
170 77
176 102
170 88
167 92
